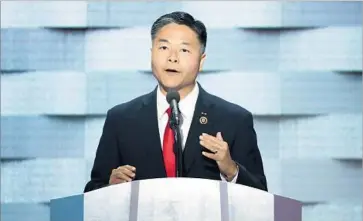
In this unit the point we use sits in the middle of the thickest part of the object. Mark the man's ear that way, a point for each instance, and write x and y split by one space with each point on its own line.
201 63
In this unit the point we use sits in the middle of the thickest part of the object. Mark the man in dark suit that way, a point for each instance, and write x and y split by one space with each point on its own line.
218 138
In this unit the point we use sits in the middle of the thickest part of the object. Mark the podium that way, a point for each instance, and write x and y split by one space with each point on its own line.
182 199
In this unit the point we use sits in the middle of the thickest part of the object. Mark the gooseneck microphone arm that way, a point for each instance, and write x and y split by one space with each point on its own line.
173 98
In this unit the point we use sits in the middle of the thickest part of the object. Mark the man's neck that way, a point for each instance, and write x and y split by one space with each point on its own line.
182 92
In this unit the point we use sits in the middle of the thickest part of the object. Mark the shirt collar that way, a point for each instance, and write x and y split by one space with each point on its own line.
186 105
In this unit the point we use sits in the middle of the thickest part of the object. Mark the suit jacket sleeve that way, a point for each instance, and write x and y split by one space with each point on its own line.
107 156
246 153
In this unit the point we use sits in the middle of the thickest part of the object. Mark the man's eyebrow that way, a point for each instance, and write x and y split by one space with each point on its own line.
166 41
163 40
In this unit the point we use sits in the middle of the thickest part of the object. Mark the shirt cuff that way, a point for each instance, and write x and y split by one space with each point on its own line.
234 180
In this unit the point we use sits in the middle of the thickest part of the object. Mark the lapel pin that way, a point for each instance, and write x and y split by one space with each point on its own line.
203 120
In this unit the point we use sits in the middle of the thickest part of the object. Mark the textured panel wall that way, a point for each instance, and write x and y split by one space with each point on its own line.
297 66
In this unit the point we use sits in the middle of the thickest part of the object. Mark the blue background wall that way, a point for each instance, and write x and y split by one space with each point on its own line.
297 66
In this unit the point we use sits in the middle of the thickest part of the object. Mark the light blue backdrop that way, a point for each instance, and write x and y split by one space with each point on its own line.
297 66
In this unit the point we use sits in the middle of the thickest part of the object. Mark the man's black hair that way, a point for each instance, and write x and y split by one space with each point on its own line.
181 18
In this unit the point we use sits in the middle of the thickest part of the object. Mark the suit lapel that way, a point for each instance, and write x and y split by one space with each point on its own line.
150 128
202 123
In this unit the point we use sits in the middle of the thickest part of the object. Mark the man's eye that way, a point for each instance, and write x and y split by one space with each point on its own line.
163 48
185 50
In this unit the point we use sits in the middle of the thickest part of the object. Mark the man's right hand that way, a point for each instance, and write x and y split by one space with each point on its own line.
122 174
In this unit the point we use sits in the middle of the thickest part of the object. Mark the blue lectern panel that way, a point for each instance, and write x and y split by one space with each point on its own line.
67 209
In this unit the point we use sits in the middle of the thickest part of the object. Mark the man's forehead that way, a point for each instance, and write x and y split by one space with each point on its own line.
175 30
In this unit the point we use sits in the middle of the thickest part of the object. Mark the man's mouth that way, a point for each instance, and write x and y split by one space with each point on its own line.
171 70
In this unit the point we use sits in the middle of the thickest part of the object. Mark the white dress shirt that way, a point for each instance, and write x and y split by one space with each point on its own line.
186 106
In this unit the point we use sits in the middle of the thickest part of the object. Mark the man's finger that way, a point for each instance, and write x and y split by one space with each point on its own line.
123 173
127 169
128 172
208 145
115 180
212 139
123 176
210 155
209 137
133 169
219 136
208 141
212 145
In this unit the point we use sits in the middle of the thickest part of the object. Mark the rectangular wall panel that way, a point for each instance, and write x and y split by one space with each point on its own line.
16 14
42 137
39 180
41 49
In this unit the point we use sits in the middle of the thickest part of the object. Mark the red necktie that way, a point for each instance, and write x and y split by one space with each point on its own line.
168 149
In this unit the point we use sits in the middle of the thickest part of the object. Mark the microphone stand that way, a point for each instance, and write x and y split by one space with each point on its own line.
178 151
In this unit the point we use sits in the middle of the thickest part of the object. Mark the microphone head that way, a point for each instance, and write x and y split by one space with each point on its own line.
171 95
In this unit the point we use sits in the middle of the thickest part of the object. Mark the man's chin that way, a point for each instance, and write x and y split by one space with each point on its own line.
170 86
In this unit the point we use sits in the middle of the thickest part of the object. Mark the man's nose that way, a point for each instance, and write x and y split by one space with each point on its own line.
173 58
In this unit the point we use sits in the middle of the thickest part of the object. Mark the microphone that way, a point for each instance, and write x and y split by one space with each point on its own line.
173 99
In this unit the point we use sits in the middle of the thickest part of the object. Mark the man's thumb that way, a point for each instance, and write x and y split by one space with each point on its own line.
219 136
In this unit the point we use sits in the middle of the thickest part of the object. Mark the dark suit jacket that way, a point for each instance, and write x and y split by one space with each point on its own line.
131 136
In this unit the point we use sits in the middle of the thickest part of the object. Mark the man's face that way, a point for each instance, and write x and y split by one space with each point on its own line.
176 56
